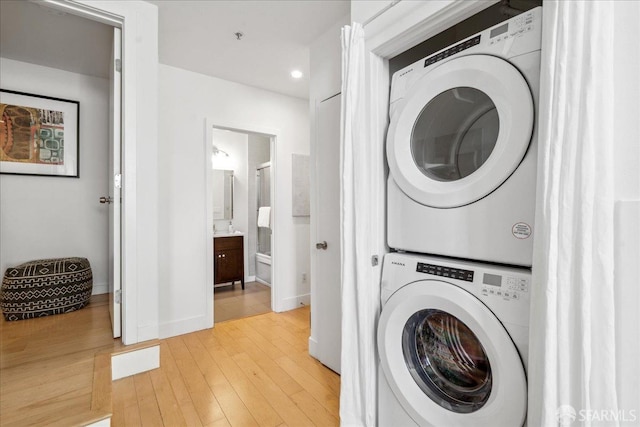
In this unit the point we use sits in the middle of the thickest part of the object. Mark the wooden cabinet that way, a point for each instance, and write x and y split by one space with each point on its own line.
228 259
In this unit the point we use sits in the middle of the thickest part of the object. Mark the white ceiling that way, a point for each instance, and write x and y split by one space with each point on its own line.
193 35
199 36
41 35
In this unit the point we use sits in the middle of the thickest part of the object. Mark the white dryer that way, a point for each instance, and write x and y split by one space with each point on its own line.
462 147
453 342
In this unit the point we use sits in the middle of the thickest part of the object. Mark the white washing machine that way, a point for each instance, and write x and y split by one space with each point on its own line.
462 147
453 342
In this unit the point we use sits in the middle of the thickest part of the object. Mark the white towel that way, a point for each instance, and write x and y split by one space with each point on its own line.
264 217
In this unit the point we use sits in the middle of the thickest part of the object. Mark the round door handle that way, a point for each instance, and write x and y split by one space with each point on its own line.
106 199
322 245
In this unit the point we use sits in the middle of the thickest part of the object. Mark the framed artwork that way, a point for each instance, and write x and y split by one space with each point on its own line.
39 135
300 185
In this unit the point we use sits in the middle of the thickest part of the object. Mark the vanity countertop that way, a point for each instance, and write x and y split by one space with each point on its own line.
227 234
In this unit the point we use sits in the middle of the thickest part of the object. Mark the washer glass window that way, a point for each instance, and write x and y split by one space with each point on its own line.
455 134
447 361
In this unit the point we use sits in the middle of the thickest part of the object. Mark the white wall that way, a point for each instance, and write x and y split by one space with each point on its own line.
187 100
49 217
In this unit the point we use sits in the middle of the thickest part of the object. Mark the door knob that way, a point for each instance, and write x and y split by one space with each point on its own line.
322 245
106 200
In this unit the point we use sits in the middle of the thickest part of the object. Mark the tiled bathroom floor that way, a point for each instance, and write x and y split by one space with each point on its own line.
231 302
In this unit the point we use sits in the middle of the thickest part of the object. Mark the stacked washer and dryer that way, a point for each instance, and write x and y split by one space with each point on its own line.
454 330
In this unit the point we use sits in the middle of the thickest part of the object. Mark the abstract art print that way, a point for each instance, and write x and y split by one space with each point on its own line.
39 135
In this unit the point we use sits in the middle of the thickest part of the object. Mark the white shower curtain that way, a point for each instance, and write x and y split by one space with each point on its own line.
572 360
362 201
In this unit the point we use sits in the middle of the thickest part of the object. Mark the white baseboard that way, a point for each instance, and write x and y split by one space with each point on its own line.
100 288
133 362
295 302
259 280
181 327
148 332
102 423
250 279
313 347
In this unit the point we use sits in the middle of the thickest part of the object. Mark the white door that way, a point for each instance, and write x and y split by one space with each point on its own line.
115 184
462 130
448 359
326 315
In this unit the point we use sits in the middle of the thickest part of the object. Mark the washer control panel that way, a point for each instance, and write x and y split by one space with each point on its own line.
506 287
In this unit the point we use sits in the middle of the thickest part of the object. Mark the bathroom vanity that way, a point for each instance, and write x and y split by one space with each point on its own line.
228 258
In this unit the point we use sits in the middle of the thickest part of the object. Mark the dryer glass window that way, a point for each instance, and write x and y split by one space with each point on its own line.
455 134
447 361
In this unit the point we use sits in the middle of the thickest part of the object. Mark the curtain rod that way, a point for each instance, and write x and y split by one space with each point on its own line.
380 12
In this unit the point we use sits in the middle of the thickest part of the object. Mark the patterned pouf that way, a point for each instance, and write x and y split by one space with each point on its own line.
44 287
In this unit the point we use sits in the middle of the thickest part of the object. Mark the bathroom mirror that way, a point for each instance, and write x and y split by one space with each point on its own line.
222 194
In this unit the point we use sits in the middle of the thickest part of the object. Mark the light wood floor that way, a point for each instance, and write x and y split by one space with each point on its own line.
232 302
248 372
252 371
47 364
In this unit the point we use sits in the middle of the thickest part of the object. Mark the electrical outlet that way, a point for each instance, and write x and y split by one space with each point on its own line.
304 277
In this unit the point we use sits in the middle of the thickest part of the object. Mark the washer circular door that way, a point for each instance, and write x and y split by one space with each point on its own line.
449 360
465 126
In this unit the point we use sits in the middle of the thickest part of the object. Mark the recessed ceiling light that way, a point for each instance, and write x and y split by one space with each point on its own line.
296 74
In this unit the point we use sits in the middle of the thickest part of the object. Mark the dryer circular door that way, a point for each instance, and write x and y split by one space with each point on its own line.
462 130
449 360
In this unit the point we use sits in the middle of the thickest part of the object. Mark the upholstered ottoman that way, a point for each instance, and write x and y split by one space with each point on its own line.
44 287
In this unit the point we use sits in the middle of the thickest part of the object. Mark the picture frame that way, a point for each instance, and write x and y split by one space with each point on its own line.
39 135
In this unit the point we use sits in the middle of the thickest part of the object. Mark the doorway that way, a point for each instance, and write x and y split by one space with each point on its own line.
36 66
240 205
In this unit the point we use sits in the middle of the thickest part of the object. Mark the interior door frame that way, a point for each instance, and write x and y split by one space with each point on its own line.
247 128
128 269
115 184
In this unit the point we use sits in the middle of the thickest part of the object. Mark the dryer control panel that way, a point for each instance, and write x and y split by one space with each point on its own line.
443 271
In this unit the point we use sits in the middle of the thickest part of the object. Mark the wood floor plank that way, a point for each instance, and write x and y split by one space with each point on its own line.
147 402
167 403
250 331
124 395
101 398
261 410
316 369
264 357
235 409
314 410
318 390
204 401
168 365
132 416
39 414
220 423
276 396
